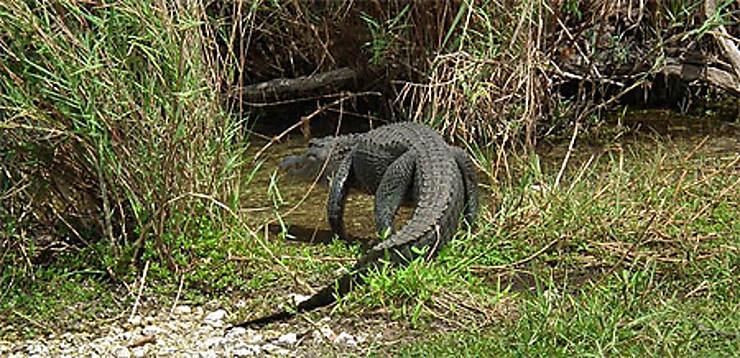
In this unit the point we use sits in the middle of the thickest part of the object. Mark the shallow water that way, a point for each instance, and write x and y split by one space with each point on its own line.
304 207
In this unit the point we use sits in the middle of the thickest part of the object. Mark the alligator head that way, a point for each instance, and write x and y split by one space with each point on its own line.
321 159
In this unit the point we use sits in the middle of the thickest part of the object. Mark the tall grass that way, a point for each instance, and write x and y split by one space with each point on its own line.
112 132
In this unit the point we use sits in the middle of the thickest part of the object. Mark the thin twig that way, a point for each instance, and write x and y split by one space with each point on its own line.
141 288
567 155
179 291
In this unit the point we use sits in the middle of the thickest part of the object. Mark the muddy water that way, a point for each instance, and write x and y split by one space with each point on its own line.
300 205
304 208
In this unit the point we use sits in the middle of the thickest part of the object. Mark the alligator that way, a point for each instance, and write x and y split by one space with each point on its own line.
402 163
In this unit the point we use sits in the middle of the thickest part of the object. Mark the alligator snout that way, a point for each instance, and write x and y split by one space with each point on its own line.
303 166
290 161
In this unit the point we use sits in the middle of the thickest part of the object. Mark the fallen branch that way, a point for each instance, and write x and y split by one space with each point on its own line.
726 42
282 88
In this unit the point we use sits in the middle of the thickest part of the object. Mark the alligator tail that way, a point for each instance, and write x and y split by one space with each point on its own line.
328 295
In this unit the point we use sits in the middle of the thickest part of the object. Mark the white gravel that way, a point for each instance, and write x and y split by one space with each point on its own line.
181 332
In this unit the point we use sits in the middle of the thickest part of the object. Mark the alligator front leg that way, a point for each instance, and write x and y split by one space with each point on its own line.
338 195
396 181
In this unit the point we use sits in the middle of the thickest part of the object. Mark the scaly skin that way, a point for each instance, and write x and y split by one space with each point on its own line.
399 163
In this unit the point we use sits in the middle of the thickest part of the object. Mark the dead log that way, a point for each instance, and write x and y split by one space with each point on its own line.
727 43
709 75
282 89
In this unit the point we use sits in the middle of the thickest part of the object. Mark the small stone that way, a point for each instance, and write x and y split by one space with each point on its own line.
183 309
149 319
135 320
36 348
236 332
269 347
361 338
298 298
328 333
212 342
152 331
345 339
216 315
125 336
287 340
140 352
167 351
121 352
208 354
254 339
215 324
243 352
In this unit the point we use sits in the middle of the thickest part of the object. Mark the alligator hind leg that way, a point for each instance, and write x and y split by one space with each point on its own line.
394 185
469 181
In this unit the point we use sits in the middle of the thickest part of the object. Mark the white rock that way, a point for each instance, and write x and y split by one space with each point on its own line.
135 320
208 354
269 347
211 325
328 333
216 315
255 339
345 339
212 342
152 330
121 352
167 351
243 352
183 309
236 332
361 338
36 348
149 319
287 340
140 352
66 336
125 336
298 298
255 348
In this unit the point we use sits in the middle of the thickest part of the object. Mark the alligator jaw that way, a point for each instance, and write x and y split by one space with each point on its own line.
290 161
297 166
